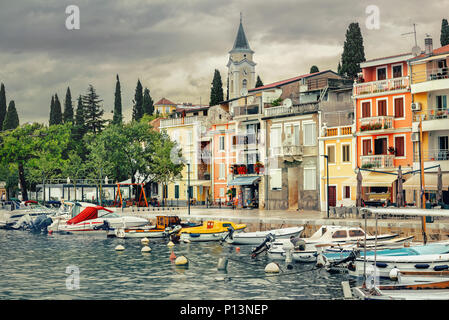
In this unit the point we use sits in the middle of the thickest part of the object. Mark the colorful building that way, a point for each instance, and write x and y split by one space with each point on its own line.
383 124
164 107
430 93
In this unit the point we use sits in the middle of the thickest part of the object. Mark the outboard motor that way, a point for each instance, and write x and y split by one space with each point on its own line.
40 224
263 246
229 234
105 226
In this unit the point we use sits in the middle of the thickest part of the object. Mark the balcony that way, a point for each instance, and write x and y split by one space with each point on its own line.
250 138
377 161
338 131
247 169
430 79
432 114
376 123
432 155
246 110
179 121
296 109
288 153
374 88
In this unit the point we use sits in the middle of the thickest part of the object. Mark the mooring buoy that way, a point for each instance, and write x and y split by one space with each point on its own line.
272 267
181 261
145 249
144 241
119 248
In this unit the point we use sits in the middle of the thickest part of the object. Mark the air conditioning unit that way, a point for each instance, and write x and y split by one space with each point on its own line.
415 136
416 106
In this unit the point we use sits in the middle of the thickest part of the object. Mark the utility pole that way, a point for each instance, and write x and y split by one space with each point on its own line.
188 188
327 182
423 195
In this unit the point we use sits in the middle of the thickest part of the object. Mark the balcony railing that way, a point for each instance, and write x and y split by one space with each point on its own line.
430 74
296 109
338 131
378 161
241 169
381 86
376 123
432 114
287 150
246 110
432 155
179 121
250 138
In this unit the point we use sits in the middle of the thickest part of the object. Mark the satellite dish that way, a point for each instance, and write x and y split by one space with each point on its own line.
287 103
416 51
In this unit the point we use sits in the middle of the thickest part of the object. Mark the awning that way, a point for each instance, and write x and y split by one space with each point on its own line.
430 182
243 181
373 179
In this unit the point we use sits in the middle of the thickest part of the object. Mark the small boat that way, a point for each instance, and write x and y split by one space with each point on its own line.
210 231
165 226
17 215
305 250
259 236
95 220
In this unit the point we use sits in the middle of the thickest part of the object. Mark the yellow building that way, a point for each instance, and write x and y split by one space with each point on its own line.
430 94
164 107
338 144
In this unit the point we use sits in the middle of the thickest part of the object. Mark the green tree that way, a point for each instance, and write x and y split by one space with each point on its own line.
353 52
56 111
92 111
259 82
118 117
314 69
444 37
138 103
12 118
2 105
339 68
68 107
216 92
74 168
148 107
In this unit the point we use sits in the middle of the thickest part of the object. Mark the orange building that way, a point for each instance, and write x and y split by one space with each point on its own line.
383 123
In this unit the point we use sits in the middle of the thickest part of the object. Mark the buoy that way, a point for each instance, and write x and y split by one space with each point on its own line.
146 249
222 264
186 240
181 261
172 256
50 232
144 241
119 248
170 244
272 267
394 273
320 261
237 249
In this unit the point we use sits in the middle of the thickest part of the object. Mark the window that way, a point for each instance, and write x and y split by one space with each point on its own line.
331 154
296 134
443 153
382 73
399 108
399 146
221 143
275 140
366 110
176 192
309 132
356 233
346 192
397 71
309 178
276 179
221 171
244 83
366 145
346 153
222 192
441 102
381 108
339 234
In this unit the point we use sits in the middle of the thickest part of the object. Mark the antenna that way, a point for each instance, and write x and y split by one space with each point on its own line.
414 32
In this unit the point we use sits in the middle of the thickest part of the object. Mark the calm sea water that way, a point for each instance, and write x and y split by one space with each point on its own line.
34 267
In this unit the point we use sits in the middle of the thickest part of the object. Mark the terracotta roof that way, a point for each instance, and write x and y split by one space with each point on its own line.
389 57
287 81
438 51
164 101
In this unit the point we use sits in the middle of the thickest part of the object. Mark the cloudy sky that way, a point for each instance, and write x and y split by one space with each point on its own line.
173 46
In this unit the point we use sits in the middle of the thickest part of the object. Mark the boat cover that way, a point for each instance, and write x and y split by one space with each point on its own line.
87 214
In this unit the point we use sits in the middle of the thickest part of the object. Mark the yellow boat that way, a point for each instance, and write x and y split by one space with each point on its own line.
210 231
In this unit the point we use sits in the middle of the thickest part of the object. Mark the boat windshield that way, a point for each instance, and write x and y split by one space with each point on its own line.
110 215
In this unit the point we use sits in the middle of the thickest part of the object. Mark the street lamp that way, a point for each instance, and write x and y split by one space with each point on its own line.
327 183
188 188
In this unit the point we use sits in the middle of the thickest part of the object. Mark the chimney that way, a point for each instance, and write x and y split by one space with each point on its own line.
428 44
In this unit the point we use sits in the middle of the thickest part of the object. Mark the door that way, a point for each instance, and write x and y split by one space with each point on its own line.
332 196
380 146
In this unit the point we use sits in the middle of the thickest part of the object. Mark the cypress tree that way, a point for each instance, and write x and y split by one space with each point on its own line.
138 102
92 111
79 125
259 82
12 118
148 107
314 69
353 52
55 111
216 92
2 105
68 107
52 111
118 117
444 37
339 68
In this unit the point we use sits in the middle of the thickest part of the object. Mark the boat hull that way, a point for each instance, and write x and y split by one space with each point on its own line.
255 238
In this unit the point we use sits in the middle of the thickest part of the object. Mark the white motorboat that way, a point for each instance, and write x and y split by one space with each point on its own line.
259 236
15 215
94 220
305 249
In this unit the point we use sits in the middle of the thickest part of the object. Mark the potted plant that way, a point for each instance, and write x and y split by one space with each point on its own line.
258 166
392 150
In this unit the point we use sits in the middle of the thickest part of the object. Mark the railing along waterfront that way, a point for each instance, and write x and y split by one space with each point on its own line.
430 74
295 109
376 123
380 161
381 86
432 155
432 114
179 121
